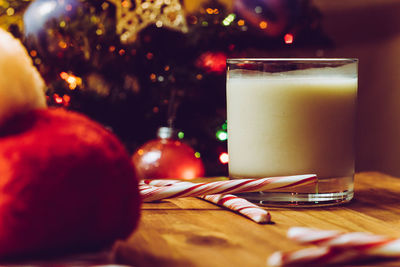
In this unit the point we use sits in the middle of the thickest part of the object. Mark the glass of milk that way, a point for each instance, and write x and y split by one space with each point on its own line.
289 117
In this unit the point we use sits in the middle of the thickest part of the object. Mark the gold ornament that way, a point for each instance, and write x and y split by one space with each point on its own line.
133 17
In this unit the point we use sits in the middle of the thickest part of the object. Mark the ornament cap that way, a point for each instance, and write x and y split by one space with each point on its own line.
166 133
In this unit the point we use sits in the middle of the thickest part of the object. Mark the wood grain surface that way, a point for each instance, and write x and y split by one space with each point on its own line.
193 232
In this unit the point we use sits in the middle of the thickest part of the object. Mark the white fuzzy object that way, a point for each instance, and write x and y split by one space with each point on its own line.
21 86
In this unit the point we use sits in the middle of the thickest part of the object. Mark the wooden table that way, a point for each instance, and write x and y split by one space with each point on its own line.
193 232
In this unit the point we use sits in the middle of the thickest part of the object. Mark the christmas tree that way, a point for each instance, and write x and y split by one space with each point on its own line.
137 65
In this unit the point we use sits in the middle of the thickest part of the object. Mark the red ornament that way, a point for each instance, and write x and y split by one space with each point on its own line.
67 184
212 62
167 157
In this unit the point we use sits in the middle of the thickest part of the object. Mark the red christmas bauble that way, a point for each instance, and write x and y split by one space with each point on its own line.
166 157
67 184
213 62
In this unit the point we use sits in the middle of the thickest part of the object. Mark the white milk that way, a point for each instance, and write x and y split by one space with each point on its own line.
291 124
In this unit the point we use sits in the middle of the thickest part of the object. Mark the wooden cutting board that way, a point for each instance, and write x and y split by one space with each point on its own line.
193 232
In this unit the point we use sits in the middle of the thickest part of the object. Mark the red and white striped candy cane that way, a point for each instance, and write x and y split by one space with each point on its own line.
335 247
241 206
164 182
230 202
186 189
364 242
318 256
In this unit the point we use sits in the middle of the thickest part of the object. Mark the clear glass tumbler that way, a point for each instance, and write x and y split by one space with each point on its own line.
289 117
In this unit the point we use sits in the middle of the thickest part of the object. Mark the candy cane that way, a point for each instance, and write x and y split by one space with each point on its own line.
365 242
335 247
241 206
186 189
230 202
319 256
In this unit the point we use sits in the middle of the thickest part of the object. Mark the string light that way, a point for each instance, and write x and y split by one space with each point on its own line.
258 9
229 19
263 25
33 53
181 135
67 100
10 11
224 158
222 135
288 38
62 44
149 56
197 155
225 125
211 11
72 80
58 99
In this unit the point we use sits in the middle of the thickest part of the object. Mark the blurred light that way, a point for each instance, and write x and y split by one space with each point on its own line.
189 174
99 32
197 155
240 22
64 75
111 48
181 135
72 80
33 53
229 19
199 76
225 126
159 24
224 158
62 44
149 56
193 19
121 52
58 99
212 62
212 11
67 98
288 38
222 135
10 11
258 9
204 24
68 7
151 157
125 3
140 152
263 25
47 7
63 24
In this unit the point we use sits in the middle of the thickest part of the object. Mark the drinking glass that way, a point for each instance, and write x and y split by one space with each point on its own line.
290 117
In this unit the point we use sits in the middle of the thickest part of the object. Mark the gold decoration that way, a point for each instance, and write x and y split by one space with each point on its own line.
133 17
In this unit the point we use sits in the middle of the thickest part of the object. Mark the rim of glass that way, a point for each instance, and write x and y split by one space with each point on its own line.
290 60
